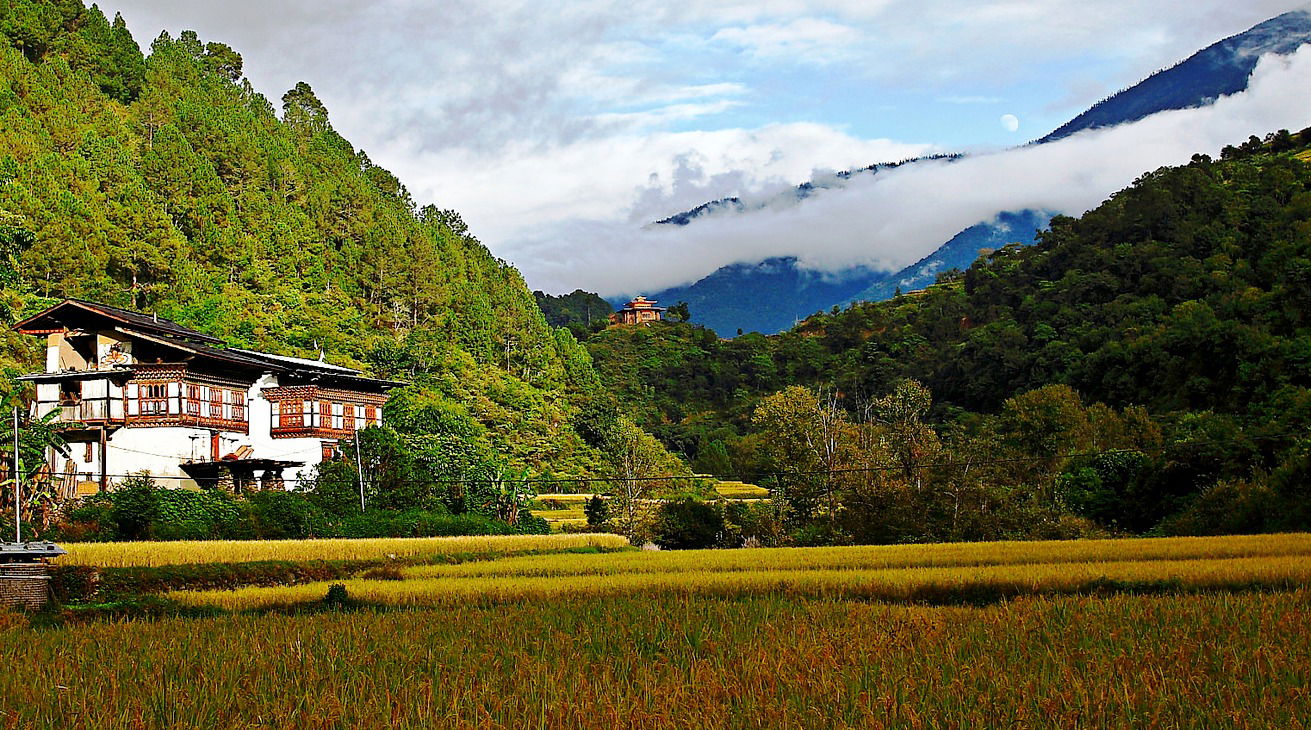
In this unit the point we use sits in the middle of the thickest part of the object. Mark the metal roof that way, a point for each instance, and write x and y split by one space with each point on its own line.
11 551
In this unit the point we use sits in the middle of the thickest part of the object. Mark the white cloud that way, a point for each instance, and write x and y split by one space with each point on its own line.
806 39
628 178
892 219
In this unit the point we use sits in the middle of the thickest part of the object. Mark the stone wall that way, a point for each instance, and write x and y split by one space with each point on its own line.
24 585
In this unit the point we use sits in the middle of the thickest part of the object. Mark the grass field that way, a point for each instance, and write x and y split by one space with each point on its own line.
1222 660
896 573
127 554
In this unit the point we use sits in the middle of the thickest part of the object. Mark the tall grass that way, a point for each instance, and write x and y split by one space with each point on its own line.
132 554
677 661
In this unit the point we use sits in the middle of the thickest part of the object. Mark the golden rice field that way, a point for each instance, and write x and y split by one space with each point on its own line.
668 660
567 498
896 573
740 490
130 554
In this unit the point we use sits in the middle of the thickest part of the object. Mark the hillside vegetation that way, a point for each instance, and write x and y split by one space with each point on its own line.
166 183
1172 325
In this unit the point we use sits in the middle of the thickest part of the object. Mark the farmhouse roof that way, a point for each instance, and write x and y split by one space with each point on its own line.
78 314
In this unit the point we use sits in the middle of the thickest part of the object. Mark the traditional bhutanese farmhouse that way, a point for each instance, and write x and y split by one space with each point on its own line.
639 311
140 393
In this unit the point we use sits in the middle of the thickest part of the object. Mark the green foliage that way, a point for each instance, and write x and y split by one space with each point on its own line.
596 510
581 312
688 524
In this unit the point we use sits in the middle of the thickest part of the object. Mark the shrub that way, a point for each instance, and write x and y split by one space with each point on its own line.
597 511
686 524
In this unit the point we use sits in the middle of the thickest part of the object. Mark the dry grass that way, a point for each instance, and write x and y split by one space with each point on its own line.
125 554
675 661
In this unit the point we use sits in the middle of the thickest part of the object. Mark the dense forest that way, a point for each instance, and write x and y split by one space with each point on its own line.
165 183
1164 338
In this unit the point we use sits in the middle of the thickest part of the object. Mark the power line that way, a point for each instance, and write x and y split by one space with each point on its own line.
748 478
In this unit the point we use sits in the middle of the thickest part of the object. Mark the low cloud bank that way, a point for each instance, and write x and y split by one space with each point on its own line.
888 221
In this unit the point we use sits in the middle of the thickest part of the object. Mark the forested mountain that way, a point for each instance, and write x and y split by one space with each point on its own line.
166 183
582 312
773 295
1220 69
1217 70
1180 303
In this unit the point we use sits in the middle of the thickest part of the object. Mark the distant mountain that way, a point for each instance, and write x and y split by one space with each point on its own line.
791 196
1218 70
768 296
958 253
772 295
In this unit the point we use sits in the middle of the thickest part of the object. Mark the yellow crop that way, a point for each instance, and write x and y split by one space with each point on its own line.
123 554
894 573
657 661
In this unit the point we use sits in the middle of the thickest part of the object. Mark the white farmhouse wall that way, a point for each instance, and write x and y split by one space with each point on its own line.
308 450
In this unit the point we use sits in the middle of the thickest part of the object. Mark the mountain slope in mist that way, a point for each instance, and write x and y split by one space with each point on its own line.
1215 71
729 298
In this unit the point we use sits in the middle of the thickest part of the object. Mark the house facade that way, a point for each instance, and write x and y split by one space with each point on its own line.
638 311
139 393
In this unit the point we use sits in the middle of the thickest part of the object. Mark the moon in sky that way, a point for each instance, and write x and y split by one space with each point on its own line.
1010 122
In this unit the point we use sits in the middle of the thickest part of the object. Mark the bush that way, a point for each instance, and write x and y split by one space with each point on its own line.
597 511
687 524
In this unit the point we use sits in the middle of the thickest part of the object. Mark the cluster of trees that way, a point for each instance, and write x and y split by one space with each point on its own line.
1181 302
166 183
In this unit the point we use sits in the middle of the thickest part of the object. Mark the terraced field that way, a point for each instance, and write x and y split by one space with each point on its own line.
896 573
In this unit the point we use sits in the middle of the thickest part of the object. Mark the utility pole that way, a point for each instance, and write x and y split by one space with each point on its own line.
359 470
18 487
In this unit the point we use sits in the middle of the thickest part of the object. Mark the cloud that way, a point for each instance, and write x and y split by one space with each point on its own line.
807 39
894 218
628 179
582 120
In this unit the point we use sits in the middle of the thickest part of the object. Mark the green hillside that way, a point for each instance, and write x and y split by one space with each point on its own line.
167 184
1184 300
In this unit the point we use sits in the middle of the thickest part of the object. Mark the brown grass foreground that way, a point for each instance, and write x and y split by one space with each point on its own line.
1223 660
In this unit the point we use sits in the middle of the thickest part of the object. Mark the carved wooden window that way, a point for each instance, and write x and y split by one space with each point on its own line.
237 403
193 400
154 399
216 403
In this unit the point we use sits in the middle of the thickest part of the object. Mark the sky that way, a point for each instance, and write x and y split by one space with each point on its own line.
560 131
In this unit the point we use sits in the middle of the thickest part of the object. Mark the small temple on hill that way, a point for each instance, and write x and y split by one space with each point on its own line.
639 311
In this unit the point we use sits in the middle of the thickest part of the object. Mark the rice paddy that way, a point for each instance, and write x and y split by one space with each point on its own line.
1212 660
1191 632
146 554
895 573
740 490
